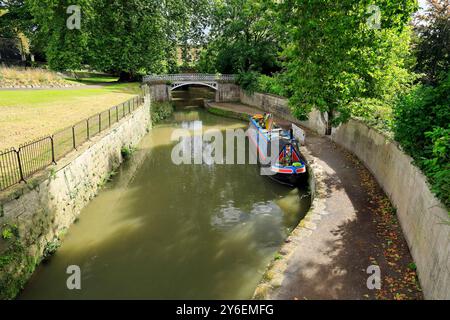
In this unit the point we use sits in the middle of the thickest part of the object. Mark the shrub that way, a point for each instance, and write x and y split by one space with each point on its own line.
161 111
8 231
373 112
437 167
422 127
126 153
248 81
271 85
51 248
255 82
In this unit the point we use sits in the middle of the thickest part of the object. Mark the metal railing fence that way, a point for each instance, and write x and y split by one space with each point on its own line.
17 165
189 77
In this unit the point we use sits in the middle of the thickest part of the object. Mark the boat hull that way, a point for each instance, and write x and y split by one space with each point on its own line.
291 180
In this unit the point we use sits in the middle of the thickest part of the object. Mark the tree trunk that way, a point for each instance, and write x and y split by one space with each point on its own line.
329 126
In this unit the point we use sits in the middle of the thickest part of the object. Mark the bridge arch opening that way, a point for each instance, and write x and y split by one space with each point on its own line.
192 94
175 86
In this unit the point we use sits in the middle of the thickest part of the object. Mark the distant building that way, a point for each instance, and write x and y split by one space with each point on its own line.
188 56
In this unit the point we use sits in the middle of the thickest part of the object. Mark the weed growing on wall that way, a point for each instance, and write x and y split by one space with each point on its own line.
161 111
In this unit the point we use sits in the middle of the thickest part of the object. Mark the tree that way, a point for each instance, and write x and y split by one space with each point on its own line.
241 38
15 18
65 49
188 23
433 49
334 55
17 22
125 37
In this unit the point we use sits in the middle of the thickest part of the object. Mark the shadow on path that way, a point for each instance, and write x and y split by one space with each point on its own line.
358 229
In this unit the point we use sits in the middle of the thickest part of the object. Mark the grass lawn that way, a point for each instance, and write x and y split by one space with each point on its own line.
29 114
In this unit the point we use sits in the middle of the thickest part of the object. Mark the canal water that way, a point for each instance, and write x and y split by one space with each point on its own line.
165 231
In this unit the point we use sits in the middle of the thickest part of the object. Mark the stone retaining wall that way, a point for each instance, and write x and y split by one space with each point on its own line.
159 92
421 215
38 214
279 106
227 92
424 219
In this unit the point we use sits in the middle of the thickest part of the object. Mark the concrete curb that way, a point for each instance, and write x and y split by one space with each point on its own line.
274 275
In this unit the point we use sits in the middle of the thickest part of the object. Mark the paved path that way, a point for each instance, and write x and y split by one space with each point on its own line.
357 229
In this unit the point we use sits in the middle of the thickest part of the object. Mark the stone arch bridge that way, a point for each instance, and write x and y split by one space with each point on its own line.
161 86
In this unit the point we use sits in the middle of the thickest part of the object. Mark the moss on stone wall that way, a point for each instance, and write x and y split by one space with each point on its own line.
227 113
16 267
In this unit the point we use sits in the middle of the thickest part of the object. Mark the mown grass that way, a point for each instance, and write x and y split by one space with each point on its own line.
28 114
39 155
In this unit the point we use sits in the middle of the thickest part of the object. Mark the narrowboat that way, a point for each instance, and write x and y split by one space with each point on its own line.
286 165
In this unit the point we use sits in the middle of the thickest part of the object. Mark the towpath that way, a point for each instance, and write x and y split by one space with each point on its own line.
358 228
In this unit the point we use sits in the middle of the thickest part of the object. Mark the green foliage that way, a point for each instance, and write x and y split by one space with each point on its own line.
273 85
15 256
126 153
248 81
333 57
15 264
437 168
252 81
422 127
278 257
15 18
433 40
161 111
128 38
9 231
242 38
412 266
65 49
51 248
374 112
7 234
207 61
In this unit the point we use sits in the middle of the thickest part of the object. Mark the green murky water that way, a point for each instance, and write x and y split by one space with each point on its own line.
162 231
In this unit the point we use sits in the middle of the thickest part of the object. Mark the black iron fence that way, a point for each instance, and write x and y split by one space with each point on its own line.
16 165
